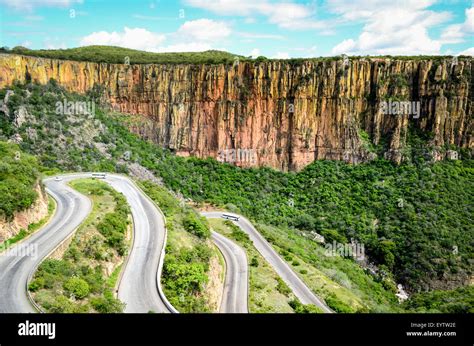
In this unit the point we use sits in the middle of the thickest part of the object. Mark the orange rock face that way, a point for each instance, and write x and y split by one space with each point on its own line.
285 115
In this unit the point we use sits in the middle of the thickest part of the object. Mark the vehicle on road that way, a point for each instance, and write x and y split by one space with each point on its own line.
99 175
230 217
58 179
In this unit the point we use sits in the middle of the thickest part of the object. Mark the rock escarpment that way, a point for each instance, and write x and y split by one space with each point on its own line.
286 113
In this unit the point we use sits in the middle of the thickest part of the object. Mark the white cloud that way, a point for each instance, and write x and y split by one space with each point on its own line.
26 44
54 43
255 53
357 10
281 55
192 36
469 51
204 30
136 38
29 5
345 46
390 28
457 32
286 15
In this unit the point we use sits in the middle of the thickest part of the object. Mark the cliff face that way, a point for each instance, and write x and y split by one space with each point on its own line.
276 114
37 212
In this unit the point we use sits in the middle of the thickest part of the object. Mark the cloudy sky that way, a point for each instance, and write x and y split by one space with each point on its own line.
272 28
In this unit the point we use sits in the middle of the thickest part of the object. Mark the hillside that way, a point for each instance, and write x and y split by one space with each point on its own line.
414 218
19 174
119 55
116 55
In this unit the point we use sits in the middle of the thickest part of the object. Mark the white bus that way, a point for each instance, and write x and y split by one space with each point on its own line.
99 175
230 217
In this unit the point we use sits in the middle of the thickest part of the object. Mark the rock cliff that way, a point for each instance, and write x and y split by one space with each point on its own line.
286 114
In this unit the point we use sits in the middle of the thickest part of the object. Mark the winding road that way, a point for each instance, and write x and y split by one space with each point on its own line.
139 285
235 294
299 288
72 209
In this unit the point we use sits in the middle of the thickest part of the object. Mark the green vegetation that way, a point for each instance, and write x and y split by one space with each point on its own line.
81 281
409 217
460 300
189 252
304 309
267 291
340 282
196 225
119 55
59 143
19 173
31 227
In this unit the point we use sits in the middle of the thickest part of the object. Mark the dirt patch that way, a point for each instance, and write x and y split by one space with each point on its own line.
59 252
215 285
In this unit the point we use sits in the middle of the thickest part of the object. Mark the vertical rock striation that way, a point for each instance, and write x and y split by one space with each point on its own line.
201 110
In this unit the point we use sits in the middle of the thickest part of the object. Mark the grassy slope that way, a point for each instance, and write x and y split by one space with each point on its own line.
81 280
342 283
186 271
263 293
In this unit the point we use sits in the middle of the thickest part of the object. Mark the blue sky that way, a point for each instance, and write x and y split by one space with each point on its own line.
271 28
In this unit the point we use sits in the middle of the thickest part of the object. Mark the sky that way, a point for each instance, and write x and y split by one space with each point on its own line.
275 29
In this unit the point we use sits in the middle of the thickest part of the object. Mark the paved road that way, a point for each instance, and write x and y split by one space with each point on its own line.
235 295
139 285
299 288
72 209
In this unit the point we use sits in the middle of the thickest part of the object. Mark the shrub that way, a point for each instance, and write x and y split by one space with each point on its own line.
254 262
107 305
338 306
282 287
77 287
303 309
196 225
62 304
36 284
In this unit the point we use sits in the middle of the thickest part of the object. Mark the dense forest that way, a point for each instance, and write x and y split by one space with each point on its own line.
415 219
